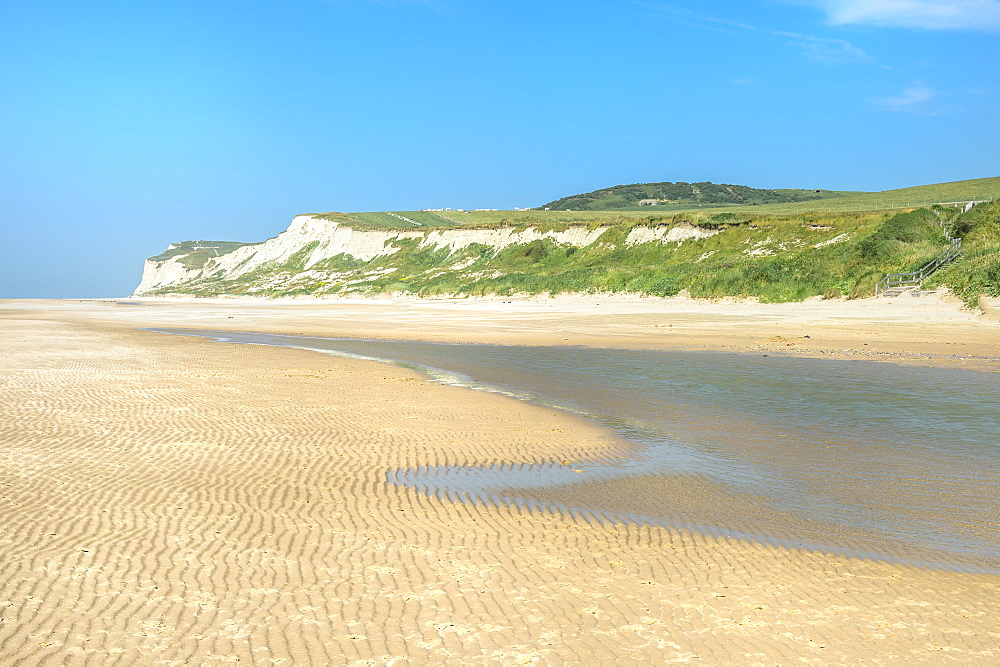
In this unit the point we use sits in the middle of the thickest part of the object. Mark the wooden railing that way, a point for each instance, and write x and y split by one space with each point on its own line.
916 278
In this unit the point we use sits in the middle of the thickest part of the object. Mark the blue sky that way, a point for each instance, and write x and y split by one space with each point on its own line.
128 125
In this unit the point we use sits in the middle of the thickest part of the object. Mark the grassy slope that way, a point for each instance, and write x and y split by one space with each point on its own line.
734 262
978 270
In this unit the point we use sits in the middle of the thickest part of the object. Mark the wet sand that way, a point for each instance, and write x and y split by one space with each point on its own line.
168 499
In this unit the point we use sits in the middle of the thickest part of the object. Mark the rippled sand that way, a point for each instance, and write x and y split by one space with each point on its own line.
168 499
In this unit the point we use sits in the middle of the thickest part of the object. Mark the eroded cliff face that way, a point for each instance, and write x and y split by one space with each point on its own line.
315 239
317 256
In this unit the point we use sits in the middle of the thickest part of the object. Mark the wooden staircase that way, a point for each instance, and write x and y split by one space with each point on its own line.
895 284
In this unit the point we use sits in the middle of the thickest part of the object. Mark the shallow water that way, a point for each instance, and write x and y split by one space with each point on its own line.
863 458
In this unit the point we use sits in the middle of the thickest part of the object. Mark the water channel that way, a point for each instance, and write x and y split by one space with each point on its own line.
861 458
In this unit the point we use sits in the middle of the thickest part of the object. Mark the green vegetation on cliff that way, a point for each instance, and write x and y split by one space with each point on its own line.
775 258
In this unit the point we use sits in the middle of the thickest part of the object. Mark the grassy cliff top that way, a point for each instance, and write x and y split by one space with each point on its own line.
787 202
397 220
194 254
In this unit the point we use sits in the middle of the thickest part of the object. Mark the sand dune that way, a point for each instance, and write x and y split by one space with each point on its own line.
171 500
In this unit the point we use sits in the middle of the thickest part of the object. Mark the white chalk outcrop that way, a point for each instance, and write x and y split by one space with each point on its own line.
666 234
457 239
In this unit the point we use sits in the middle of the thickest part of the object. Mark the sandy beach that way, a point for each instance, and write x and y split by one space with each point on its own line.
169 500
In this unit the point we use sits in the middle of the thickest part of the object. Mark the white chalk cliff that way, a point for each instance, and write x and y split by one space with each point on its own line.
290 259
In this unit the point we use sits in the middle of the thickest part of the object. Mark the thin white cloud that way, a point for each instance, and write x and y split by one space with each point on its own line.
927 14
825 49
912 99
